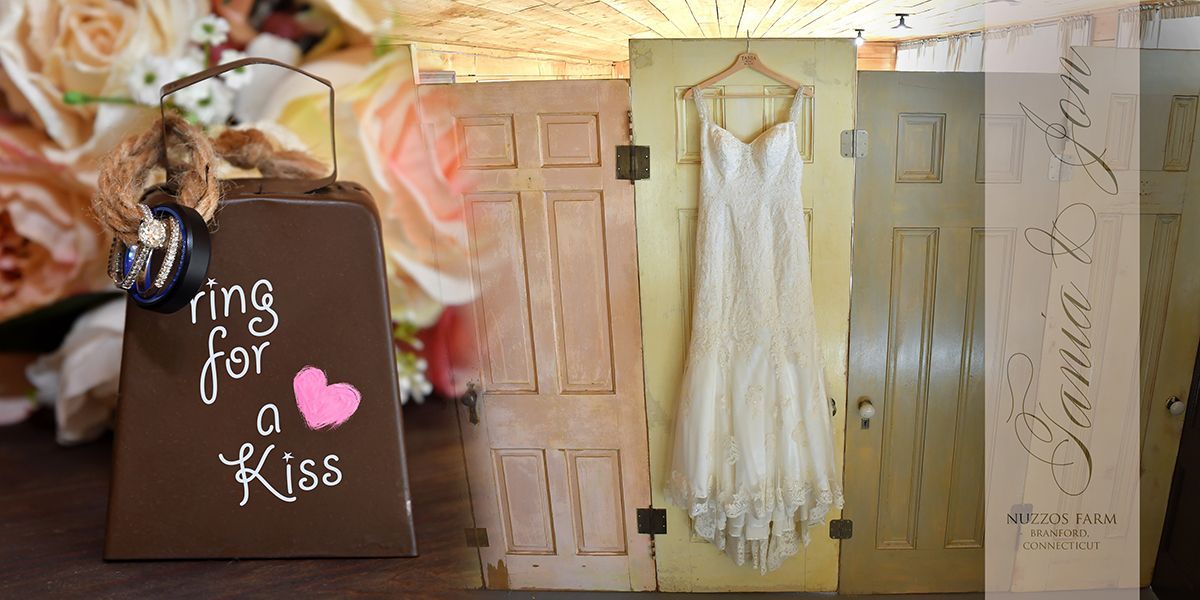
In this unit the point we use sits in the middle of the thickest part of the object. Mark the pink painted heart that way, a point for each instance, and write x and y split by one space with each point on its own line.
322 405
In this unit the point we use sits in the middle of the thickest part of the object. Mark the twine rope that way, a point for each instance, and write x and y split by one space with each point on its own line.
125 170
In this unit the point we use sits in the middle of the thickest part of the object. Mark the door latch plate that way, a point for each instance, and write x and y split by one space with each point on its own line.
470 399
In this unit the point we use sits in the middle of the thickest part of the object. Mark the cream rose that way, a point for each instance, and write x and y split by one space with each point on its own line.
80 378
86 46
366 16
50 246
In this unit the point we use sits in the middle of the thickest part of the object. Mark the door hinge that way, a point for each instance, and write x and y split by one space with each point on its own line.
652 521
633 162
854 143
841 529
476 537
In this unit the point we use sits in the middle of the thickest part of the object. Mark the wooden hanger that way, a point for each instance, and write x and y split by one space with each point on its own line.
749 60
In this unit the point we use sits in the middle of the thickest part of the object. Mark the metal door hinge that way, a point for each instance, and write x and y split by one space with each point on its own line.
633 162
476 537
854 143
652 521
841 529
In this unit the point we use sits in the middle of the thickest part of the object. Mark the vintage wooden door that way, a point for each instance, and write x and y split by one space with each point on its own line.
1170 85
660 71
556 444
914 471
1170 244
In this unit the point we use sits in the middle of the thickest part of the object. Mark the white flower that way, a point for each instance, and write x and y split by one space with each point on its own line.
147 77
182 67
239 77
213 107
211 30
210 101
410 371
194 58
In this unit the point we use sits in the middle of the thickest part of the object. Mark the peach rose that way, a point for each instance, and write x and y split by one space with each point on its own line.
412 173
50 246
86 46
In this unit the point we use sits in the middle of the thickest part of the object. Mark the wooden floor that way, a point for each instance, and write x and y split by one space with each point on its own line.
52 513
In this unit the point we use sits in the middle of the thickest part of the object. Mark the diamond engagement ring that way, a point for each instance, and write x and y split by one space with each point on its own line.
164 269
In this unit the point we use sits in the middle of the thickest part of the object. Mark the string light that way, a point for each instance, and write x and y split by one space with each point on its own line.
859 40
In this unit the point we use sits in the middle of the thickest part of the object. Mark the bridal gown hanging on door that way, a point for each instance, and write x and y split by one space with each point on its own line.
754 460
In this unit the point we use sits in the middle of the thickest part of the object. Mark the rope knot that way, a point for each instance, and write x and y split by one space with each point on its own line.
125 170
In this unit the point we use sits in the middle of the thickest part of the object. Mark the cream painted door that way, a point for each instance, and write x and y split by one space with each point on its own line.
914 472
1170 245
660 71
557 461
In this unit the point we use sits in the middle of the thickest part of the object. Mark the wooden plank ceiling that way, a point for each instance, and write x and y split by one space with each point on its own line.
600 29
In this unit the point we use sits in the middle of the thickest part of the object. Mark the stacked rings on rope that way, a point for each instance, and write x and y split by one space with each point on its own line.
164 270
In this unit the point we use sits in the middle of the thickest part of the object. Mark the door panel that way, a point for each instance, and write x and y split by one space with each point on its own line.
914 472
661 71
581 292
506 341
558 461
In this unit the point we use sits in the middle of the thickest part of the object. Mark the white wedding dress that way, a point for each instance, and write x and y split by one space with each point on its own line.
754 460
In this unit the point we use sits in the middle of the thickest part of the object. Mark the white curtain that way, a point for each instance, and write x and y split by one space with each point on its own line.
1036 48
1074 31
1130 23
1179 26
966 51
955 53
905 56
1171 25
1023 48
916 56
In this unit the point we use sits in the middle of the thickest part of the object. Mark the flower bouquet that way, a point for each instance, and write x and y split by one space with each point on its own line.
76 76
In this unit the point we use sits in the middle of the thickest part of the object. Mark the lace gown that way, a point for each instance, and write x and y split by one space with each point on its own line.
753 460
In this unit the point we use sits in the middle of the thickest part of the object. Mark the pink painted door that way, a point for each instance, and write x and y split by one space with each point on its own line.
557 461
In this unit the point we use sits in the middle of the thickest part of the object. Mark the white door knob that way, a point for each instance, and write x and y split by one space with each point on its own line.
866 410
1175 406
